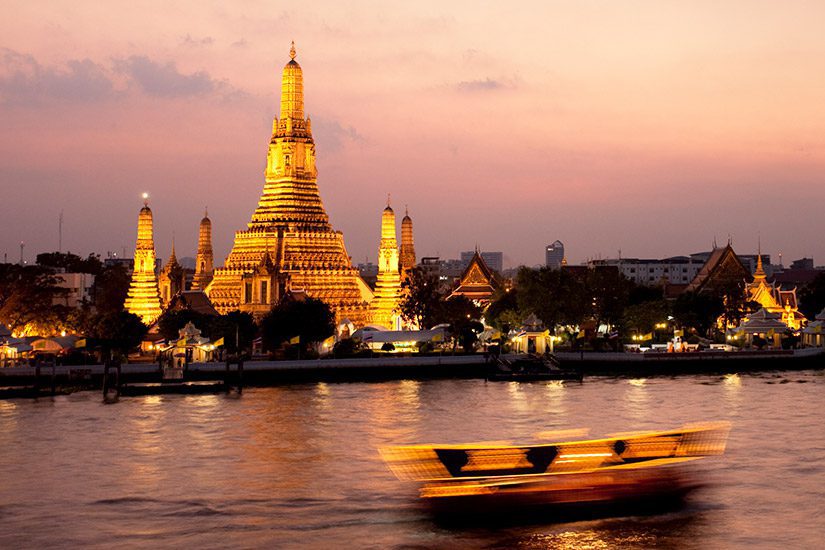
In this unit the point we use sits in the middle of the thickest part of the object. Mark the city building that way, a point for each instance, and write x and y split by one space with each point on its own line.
554 255
290 242
77 286
493 260
384 306
143 298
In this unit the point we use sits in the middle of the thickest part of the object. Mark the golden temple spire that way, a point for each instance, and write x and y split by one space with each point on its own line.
143 298
292 89
388 282
407 244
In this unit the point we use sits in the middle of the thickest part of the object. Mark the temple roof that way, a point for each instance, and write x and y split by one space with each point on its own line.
720 259
478 281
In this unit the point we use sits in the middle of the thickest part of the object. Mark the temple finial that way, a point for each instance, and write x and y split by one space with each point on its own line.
406 211
388 200
205 211
146 199
292 51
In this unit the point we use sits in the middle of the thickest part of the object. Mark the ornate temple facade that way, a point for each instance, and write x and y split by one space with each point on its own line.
384 306
289 243
143 298
407 245
773 299
724 266
172 279
478 282
204 263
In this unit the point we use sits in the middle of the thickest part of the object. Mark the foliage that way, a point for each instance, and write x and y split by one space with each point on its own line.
27 294
311 319
350 348
237 328
503 312
812 297
119 331
644 317
698 311
170 322
422 299
110 288
71 263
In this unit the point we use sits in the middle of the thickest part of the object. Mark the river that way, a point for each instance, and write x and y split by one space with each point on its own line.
298 466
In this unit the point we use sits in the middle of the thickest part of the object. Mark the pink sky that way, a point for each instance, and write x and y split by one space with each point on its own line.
650 127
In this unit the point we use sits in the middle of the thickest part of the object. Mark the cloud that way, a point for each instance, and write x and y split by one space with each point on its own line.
189 41
480 85
24 81
164 80
332 135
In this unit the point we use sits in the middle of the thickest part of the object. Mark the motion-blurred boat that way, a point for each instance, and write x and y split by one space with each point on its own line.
623 468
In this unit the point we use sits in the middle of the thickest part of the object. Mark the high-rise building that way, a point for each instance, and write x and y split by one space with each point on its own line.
554 255
388 283
289 245
204 263
143 298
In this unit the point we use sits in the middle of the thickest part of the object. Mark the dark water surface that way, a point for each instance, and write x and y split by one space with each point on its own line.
298 466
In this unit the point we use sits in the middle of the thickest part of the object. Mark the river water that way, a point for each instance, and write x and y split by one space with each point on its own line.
298 466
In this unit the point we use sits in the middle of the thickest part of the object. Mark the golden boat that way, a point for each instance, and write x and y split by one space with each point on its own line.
627 467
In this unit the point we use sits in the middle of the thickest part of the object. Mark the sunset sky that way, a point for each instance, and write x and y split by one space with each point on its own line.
649 127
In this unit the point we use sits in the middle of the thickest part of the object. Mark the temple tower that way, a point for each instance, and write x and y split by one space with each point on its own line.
290 224
388 285
172 278
143 298
204 267
407 246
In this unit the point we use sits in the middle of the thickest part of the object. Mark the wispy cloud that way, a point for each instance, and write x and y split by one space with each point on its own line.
189 40
164 79
24 81
332 134
484 85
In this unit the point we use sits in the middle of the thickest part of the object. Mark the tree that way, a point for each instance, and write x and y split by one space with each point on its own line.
645 316
120 331
422 299
699 311
310 319
237 328
554 295
812 297
26 296
171 321
503 312
110 288
71 263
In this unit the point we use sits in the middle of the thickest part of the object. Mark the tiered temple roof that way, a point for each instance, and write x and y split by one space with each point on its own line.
388 284
143 298
291 226
478 282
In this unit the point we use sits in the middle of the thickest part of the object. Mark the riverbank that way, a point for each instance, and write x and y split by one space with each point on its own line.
23 381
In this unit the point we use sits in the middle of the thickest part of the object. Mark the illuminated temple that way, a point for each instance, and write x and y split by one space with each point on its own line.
290 246
388 284
143 298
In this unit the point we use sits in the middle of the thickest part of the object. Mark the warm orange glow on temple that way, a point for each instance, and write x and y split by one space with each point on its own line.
290 245
144 298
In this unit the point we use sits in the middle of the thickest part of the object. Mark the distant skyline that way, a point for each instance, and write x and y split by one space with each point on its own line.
646 127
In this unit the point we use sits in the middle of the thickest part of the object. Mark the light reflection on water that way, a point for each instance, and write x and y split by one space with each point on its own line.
297 465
